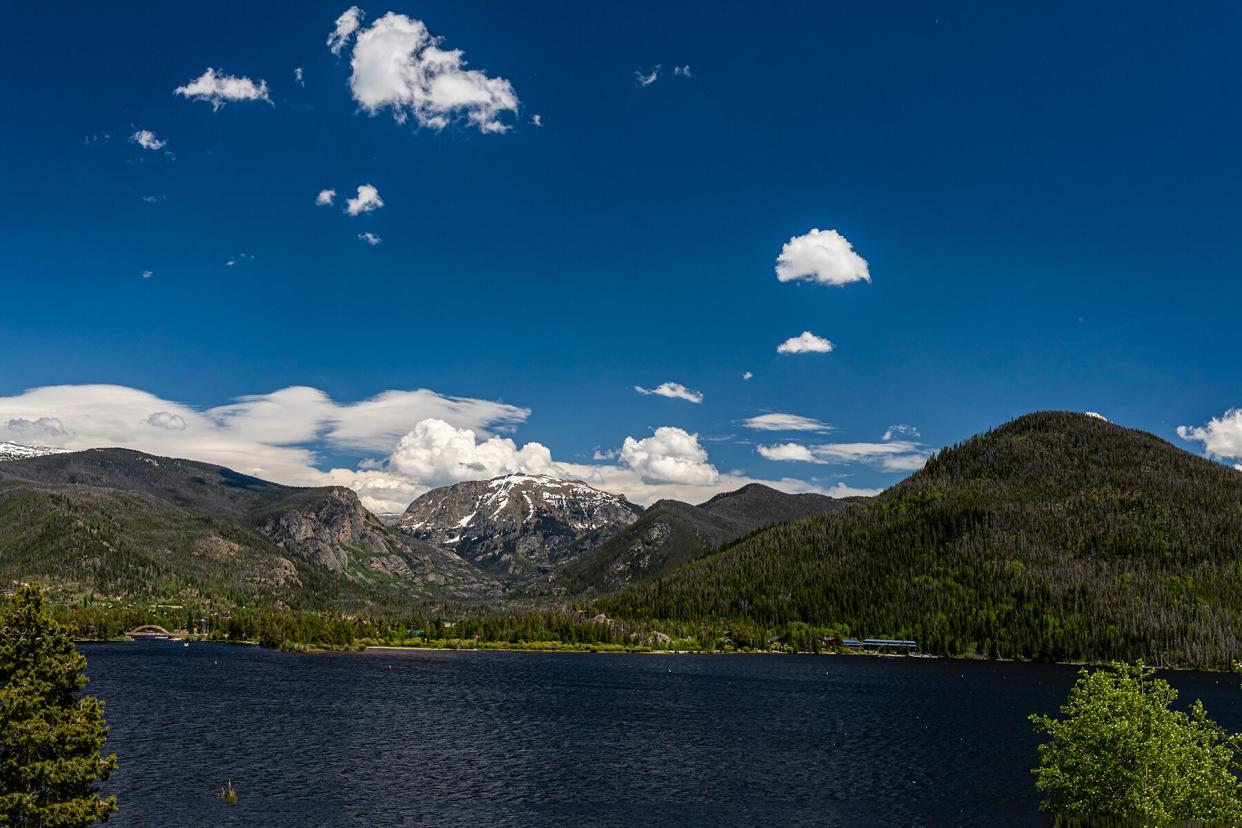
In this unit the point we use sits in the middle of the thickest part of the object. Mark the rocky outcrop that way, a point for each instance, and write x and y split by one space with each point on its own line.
213 531
331 529
324 527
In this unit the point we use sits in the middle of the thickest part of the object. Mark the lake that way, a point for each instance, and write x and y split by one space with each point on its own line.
516 739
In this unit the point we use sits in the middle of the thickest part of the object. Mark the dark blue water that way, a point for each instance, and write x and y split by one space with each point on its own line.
482 739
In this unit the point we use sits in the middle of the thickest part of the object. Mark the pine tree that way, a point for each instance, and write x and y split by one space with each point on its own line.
50 735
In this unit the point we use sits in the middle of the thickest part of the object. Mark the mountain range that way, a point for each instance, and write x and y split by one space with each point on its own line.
119 524
1054 536
116 523
671 533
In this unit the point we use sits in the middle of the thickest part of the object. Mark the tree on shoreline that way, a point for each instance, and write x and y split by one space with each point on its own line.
50 735
1121 753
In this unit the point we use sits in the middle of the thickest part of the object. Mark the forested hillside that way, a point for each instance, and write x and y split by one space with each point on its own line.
1055 536
119 524
671 533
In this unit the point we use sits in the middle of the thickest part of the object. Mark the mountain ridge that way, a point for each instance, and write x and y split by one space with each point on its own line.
1055 536
110 511
671 532
517 525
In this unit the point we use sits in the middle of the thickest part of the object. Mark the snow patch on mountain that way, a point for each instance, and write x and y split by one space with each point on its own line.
16 451
517 524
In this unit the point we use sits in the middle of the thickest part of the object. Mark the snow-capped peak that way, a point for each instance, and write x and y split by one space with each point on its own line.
16 451
517 521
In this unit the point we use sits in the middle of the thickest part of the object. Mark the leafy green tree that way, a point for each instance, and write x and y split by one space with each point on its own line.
1122 753
50 735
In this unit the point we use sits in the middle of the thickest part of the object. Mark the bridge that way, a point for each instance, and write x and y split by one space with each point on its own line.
149 631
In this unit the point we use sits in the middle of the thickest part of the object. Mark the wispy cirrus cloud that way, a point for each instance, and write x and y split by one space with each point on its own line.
147 139
891 454
643 79
346 25
672 390
777 421
901 430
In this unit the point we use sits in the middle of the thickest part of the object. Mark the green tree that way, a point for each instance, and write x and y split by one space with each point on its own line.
1122 753
50 735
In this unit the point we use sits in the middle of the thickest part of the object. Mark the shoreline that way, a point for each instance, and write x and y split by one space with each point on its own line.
603 649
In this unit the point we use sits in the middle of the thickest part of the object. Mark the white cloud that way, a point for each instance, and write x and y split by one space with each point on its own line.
822 256
682 71
408 441
746 375
42 428
435 453
166 420
645 79
668 464
219 89
146 139
891 455
368 200
536 119
1221 436
370 238
397 64
1096 415
785 422
805 343
900 430
672 390
789 451
346 25
325 198
299 76
147 274
840 489
669 455
265 435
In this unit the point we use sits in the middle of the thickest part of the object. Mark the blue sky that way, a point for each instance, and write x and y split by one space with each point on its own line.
1046 197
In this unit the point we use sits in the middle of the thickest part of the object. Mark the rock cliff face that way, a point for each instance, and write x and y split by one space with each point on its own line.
206 527
325 525
517 525
330 528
